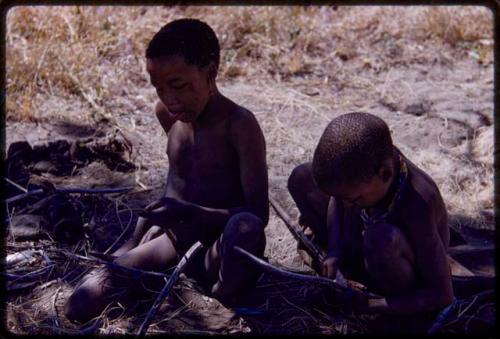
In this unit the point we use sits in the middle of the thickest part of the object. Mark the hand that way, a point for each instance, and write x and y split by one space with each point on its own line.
167 210
330 267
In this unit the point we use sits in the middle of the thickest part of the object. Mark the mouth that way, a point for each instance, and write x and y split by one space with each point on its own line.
175 113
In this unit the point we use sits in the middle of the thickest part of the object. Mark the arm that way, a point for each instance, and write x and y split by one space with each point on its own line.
333 224
248 141
432 268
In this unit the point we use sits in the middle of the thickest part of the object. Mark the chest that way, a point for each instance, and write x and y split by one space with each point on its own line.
207 150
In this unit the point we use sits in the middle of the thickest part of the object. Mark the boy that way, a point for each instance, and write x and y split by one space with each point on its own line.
380 218
217 182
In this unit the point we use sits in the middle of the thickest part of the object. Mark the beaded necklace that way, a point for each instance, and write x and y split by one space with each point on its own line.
402 181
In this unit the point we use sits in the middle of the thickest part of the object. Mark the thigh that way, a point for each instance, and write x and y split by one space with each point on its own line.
303 189
157 254
353 264
389 259
310 200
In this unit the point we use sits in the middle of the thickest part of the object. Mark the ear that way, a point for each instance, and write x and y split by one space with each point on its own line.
385 173
212 71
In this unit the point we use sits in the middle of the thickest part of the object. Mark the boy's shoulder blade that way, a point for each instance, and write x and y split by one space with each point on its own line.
241 116
424 194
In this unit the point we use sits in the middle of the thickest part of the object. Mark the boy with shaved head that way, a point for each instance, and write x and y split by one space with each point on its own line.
217 182
380 219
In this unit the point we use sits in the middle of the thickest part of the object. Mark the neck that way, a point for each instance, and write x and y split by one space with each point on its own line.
393 186
211 110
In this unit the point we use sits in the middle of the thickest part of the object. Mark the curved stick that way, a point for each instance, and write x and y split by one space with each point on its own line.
302 277
168 286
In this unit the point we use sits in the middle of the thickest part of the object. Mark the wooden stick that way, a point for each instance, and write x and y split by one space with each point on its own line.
312 249
302 277
111 263
297 233
168 286
70 190
16 185
442 317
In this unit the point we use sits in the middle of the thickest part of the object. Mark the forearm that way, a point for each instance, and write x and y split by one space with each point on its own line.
334 229
215 217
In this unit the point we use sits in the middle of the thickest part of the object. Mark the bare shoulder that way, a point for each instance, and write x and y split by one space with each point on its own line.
240 115
424 201
243 123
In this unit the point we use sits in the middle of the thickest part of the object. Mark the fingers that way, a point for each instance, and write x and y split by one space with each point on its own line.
324 270
155 205
329 268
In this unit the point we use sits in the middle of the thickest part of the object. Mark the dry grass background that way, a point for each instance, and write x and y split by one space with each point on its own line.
295 67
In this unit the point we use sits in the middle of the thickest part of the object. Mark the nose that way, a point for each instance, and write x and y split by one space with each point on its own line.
169 99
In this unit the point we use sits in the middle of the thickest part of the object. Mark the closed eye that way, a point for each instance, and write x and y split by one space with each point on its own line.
178 85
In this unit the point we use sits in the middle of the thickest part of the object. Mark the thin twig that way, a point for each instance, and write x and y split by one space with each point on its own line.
35 273
168 286
112 264
473 317
297 307
176 312
120 237
16 185
70 190
442 317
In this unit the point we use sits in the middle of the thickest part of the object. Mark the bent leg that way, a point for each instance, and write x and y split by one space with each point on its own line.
106 285
143 232
235 273
311 202
389 259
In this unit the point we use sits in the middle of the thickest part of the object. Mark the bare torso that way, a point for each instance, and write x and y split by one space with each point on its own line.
204 165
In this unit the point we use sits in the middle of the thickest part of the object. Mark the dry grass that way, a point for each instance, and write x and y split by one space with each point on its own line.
457 25
96 53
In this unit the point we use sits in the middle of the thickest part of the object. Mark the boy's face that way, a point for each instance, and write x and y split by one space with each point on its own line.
364 194
183 88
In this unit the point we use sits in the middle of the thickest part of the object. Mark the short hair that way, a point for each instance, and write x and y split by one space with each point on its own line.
190 38
351 149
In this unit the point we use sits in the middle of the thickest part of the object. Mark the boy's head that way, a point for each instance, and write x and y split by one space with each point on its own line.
354 159
182 61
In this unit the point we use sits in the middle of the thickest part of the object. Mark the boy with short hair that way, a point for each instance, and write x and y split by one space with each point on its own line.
217 185
381 219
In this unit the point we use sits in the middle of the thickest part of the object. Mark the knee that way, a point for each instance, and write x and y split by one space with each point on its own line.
299 178
245 224
245 228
